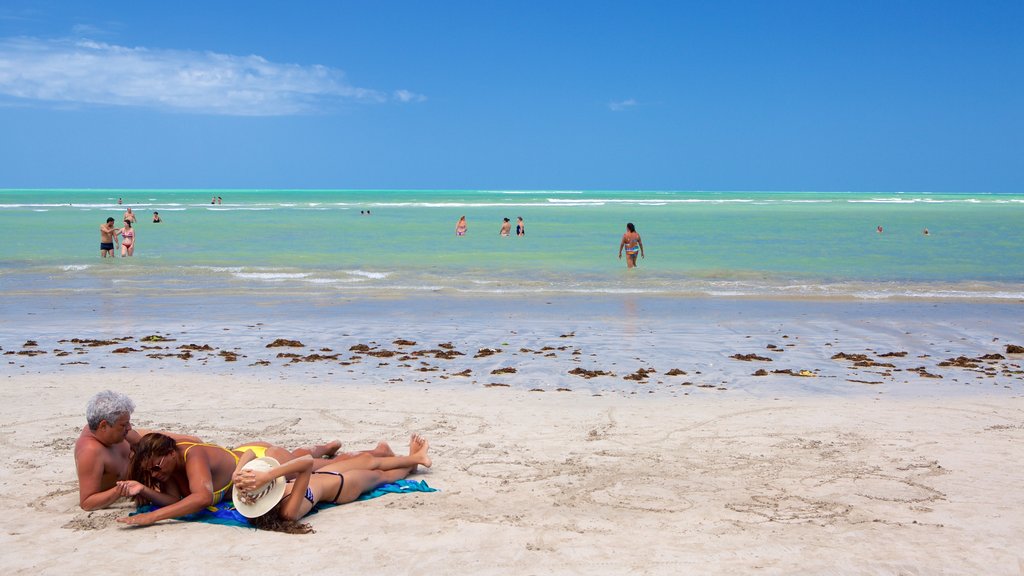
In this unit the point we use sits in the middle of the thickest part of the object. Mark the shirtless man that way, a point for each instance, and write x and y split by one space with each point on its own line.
103 450
129 216
107 238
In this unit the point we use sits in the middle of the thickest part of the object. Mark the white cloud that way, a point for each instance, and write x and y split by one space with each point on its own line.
87 72
622 105
407 96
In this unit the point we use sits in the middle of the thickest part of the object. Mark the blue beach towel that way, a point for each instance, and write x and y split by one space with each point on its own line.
225 513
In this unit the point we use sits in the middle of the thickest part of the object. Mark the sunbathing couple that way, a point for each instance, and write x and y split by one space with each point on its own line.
179 472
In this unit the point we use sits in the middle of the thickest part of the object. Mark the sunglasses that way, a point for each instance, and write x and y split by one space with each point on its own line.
159 465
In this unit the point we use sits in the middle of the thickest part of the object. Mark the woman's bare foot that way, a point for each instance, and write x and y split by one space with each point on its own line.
326 450
418 447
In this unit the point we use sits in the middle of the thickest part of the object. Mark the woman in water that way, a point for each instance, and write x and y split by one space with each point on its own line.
461 227
127 239
262 495
633 245
520 226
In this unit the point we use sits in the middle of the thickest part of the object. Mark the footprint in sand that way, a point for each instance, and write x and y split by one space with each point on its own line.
790 509
884 488
646 494
514 471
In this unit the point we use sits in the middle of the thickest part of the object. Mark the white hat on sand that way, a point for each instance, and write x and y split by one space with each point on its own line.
259 501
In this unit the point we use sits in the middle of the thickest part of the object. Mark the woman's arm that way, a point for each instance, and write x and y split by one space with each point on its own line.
641 244
249 456
200 483
291 508
131 488
249 479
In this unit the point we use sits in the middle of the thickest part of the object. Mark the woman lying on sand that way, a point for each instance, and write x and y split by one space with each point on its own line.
180 476
262 495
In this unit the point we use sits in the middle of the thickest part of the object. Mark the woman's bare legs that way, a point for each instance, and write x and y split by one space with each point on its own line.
418 449
330 451
364 480
359 481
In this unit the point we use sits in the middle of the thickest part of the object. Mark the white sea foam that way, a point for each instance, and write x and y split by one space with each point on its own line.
221 268
512 192
271 276
331 280
883 201
75 267
364 274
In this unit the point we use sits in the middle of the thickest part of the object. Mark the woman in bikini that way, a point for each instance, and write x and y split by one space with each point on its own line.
461 227
633 245
262 495
127 238
184 477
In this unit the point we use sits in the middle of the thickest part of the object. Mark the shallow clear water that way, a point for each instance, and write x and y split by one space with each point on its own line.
748 244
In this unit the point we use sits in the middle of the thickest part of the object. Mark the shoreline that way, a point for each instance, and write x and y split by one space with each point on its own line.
650 346
549 483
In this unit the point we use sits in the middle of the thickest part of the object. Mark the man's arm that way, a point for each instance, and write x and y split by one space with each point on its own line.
136 434
89 465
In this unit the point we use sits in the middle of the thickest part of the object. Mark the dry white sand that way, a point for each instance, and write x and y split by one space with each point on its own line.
537 483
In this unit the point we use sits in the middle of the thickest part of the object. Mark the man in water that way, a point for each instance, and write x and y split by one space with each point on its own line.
103 449
107 238
129 216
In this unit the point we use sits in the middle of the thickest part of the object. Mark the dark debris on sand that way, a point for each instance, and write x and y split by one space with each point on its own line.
281 342
588 374
640 375
196 347
749 357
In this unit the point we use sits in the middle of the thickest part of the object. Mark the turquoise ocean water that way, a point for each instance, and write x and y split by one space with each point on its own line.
703 244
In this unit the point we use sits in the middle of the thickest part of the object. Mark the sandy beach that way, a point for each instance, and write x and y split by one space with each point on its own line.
556 483
569 436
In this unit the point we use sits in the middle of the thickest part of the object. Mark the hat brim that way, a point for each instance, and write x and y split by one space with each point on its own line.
270 493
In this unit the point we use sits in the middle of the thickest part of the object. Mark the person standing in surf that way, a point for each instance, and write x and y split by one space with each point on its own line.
633 245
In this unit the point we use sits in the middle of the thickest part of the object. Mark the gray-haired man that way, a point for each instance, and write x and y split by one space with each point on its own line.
104 448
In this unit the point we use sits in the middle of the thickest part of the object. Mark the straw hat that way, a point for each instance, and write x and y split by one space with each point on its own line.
263 498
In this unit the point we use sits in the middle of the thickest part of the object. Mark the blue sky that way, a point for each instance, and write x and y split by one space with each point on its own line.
759 95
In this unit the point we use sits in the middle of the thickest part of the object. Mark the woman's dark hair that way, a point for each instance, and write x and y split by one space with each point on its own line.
273 521
152 445
128 223
630 227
